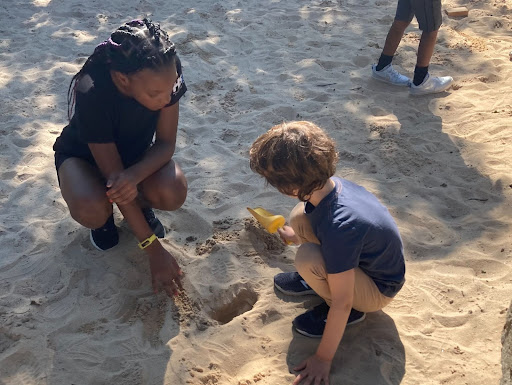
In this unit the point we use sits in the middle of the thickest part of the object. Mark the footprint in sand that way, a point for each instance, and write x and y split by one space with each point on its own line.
362 61
222 265
23 367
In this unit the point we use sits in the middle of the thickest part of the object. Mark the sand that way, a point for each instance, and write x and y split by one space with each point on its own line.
72 315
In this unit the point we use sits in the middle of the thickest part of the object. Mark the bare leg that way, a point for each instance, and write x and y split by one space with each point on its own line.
166 189
426 48
394 37
83 189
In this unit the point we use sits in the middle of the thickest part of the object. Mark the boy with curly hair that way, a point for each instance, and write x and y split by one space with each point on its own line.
350 251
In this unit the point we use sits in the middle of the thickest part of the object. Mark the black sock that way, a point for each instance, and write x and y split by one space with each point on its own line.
419 75
384 61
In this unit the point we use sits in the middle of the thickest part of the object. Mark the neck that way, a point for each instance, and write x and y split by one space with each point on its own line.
318 195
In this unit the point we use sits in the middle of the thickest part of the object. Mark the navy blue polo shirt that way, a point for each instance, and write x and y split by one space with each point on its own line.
356 230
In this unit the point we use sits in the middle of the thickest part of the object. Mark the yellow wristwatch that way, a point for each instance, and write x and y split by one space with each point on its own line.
146 242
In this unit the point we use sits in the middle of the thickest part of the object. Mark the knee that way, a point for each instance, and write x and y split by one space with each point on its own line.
429 35
400 26
168 198
91 213
307 257
173 200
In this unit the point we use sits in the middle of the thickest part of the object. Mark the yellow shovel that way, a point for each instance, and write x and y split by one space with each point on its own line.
268 220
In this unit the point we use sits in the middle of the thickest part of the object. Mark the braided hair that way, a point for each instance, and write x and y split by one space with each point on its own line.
132 47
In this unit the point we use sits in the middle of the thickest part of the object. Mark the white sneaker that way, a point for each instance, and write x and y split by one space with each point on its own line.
391 76
431 85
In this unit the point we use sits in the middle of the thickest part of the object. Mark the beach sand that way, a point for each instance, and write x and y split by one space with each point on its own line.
70 314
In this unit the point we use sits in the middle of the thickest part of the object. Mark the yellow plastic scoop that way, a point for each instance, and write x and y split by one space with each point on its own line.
268 220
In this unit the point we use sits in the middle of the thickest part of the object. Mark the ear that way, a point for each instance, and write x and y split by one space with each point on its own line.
121 79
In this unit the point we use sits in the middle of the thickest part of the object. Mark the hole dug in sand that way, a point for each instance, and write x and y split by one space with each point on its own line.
232 302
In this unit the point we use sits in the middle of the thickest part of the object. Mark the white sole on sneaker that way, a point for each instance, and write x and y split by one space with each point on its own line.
418 91
388 82
294 293
357 320
92 241
307 334
387 72
430 93
304 333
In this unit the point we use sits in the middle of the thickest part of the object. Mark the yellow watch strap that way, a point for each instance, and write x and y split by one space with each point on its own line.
146 242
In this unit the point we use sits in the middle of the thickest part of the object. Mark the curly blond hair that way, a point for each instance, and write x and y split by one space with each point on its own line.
296 158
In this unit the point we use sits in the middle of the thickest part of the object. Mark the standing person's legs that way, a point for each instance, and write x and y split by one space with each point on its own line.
403 17
383 70
429 16
425 51
393 39
426 48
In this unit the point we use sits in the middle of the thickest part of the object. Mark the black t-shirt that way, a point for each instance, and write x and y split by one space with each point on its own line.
104 115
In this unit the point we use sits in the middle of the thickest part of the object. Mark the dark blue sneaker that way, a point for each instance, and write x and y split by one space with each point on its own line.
154 222
292 284
312 322
106 236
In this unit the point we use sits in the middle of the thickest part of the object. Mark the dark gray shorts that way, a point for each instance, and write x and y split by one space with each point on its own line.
427 12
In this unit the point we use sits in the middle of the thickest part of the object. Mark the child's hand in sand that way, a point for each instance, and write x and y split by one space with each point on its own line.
122 188
313 371
165 272
288 236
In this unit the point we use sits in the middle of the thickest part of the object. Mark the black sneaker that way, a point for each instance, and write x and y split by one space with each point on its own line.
312 322
106 236
292 284
154 222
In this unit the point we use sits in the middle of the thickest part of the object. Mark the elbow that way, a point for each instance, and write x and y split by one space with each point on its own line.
166 148
342 304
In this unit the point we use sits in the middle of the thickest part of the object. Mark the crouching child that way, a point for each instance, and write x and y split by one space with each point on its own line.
350 251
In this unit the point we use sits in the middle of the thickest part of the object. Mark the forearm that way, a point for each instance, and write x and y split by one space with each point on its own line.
334 329
133 215
109 162
155 158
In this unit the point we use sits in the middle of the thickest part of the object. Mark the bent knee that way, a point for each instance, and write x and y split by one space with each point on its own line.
168 198
308 254
91 213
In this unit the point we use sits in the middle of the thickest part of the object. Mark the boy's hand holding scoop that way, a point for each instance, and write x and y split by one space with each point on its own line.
275 223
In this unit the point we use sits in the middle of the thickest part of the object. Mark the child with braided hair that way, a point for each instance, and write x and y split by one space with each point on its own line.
119 143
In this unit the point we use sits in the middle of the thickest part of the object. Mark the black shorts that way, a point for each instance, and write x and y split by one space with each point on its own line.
428 13
60 157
